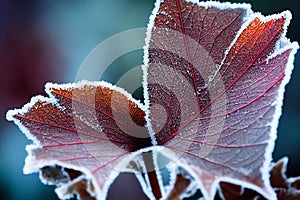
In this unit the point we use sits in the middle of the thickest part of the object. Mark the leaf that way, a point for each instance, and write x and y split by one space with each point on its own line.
180 186
78 127
236 192
285 188
216 75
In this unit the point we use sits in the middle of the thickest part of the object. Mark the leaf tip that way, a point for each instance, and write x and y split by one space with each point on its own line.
10 114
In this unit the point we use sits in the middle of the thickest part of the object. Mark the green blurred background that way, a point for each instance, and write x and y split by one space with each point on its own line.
46 40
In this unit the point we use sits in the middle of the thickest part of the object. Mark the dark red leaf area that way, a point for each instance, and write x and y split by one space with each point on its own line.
235 192
249 53
168 98
182 66
121 120
212 28
171 123
101 98
284 188
245 76
87 117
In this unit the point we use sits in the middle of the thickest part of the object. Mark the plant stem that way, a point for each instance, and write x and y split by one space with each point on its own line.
149 163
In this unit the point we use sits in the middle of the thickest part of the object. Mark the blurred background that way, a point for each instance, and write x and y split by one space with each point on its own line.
46 41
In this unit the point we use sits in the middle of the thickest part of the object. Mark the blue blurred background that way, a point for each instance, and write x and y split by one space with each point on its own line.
42 41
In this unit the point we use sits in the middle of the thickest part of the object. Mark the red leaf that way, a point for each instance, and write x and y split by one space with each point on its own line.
83 126
180 186
285 188
216 73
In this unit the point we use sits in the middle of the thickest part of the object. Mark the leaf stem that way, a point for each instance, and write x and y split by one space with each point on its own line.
151 172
